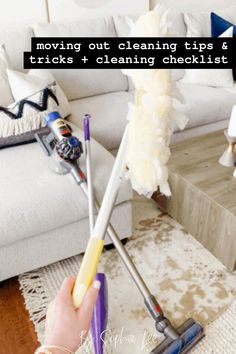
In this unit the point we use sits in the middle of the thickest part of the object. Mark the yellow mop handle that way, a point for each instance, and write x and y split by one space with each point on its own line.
87 270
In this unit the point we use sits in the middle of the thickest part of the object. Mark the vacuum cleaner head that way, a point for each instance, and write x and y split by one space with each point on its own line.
190 333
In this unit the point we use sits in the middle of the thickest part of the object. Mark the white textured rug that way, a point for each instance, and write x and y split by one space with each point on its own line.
187 280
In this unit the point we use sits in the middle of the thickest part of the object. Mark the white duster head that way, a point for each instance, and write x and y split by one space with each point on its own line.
151 116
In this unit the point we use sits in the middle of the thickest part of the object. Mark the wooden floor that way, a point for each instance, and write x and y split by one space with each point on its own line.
17 335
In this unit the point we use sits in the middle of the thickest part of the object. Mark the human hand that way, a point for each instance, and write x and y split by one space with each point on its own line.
65 325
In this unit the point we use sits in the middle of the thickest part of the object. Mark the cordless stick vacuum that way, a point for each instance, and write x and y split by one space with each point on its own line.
176 341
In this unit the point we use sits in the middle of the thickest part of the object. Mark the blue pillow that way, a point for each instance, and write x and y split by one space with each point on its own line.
219 25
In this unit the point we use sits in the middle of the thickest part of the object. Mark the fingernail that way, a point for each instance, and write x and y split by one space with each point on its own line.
97 284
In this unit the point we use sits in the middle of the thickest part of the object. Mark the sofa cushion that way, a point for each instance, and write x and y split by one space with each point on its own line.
108 113
60 243
205 105
211 77
34 199
82 83
17 39
231 89
5 92
122 26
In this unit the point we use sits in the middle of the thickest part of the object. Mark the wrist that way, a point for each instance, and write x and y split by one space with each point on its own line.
53 349
56 351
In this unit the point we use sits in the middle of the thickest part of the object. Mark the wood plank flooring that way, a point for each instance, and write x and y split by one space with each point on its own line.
17 335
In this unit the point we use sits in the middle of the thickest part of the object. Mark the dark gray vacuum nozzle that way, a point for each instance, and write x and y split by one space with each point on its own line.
190 333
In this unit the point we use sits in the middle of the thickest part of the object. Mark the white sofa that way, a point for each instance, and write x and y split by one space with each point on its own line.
43 216
208 108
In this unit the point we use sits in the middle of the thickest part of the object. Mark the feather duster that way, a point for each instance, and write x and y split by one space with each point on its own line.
152 115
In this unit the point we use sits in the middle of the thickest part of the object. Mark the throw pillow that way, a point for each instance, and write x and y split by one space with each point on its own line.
24 85
199 24
26 116
211 77
6 96
220 25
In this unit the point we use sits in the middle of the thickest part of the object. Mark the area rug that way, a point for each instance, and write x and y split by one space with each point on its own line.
187 280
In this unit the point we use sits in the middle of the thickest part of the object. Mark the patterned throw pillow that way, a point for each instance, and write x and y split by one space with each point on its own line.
19 121
24 85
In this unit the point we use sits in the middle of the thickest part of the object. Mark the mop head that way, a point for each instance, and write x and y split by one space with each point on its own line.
152 115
